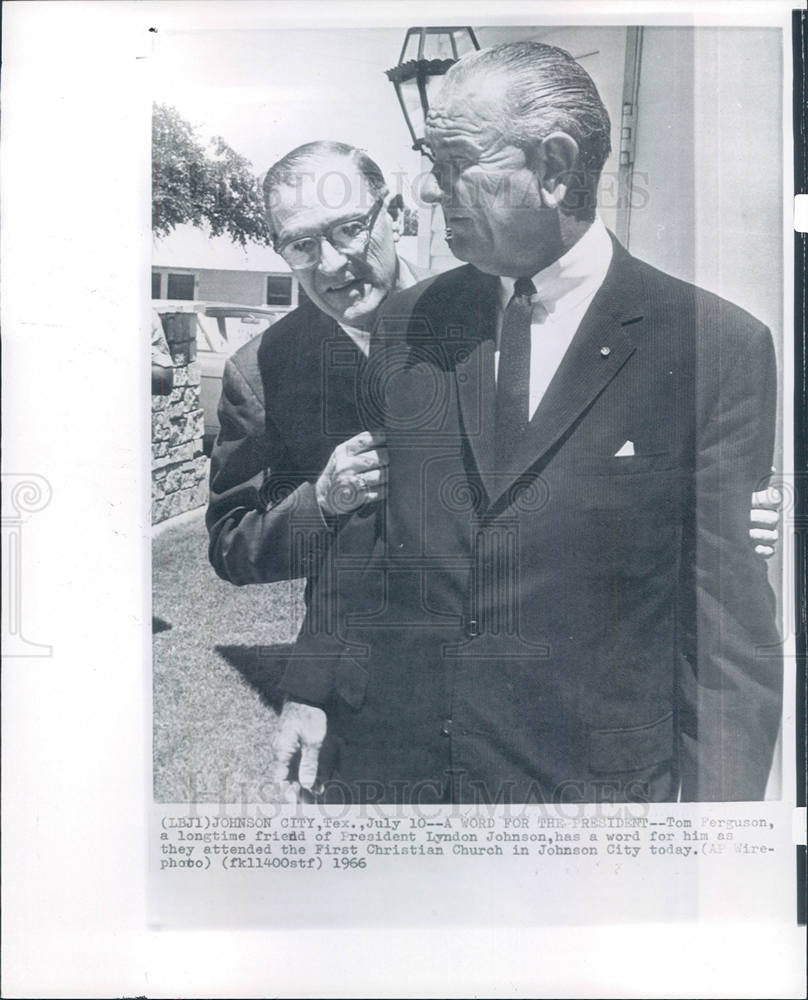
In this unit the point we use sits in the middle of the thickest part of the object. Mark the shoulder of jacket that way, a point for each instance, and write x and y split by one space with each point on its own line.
458 281
286 331
709 310
278 346
243 363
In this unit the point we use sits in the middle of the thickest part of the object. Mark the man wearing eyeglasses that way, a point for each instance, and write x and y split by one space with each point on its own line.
573 437
299 451
300 463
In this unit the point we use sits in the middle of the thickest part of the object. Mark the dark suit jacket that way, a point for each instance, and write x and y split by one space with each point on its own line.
288 398
590 627
570 625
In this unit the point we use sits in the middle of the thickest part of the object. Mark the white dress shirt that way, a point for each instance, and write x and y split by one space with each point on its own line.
564 291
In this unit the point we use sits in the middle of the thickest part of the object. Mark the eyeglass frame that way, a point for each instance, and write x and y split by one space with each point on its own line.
369 219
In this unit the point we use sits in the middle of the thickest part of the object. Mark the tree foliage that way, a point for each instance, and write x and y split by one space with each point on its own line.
210 186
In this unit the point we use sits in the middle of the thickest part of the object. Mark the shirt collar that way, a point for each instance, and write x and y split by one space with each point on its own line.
406 276
574 276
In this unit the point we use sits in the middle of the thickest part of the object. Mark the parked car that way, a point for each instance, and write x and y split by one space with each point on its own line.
221 328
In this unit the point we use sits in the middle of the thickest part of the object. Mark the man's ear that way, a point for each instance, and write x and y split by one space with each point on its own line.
394 206
555 158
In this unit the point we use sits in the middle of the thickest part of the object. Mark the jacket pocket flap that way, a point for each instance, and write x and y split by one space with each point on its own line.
631 749
351 681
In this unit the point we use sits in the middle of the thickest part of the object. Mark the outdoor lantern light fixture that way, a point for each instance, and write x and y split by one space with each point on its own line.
426 55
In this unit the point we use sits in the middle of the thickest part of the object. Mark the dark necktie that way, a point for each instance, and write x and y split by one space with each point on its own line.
513 375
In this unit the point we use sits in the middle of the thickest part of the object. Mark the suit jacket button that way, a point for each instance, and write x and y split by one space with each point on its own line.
446 728
472 628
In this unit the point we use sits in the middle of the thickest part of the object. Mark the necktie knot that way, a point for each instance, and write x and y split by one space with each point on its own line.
523 288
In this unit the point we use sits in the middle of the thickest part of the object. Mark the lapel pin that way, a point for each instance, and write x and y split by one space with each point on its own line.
605 352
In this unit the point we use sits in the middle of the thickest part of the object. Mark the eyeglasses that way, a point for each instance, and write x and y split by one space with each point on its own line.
351 236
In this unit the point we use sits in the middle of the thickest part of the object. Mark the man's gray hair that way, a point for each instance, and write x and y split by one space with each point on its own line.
289 169
548 91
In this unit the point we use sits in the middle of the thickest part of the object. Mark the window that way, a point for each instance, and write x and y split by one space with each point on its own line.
180 286
279 290
155 284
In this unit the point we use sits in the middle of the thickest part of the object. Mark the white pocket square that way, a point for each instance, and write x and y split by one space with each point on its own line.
626 450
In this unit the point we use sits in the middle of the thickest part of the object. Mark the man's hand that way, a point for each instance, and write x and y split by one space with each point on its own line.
356 474
300 727
765 515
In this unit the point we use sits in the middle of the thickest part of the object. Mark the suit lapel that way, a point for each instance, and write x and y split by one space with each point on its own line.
602 345
326 381
474 372
342 381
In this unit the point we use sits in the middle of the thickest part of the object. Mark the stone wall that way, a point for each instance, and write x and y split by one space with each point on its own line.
179 467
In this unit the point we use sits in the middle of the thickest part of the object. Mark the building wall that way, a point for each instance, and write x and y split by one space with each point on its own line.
232 286
709 147
238 287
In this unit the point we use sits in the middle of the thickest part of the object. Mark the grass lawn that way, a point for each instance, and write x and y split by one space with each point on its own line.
218 653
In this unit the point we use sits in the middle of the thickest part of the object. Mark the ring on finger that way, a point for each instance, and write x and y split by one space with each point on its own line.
360 482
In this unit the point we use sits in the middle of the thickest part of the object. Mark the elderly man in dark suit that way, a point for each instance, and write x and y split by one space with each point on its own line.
558 601
296 455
